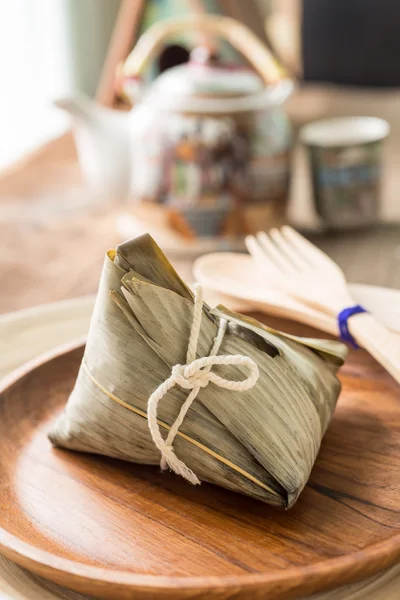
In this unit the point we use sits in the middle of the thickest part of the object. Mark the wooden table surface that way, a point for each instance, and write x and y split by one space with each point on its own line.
52 244
44 261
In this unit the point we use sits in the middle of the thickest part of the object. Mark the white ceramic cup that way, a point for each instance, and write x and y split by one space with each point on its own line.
346 164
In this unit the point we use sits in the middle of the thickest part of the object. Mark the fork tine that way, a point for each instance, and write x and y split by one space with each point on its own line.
289 249
257 252
313 254
273 251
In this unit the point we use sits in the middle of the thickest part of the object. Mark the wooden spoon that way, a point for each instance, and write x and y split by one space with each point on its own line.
237 276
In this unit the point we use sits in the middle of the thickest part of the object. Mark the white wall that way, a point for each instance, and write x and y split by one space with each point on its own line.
48 49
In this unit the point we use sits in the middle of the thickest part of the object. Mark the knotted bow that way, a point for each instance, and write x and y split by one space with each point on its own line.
196 374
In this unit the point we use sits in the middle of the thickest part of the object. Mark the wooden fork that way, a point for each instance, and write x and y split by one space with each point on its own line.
301 270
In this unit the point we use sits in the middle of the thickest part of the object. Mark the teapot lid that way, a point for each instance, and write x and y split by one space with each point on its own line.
206 75
205 84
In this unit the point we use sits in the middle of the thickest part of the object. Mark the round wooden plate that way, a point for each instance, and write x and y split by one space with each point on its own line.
118 530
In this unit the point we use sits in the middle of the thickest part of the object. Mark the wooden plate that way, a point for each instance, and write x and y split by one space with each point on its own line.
118 530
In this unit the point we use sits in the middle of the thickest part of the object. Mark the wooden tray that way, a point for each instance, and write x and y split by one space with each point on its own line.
117 530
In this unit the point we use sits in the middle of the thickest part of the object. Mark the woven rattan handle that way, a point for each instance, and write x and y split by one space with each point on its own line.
234 32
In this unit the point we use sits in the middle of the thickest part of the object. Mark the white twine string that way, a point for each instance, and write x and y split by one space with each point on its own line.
196 374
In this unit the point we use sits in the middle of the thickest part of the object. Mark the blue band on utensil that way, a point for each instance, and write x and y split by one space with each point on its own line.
343 317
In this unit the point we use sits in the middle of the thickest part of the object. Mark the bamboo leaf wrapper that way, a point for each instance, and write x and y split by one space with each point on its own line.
261 442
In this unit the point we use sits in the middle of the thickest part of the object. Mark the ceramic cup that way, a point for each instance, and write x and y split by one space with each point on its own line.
345 158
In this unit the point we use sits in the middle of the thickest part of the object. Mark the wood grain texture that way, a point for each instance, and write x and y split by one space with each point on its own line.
72 517
30 333
35 267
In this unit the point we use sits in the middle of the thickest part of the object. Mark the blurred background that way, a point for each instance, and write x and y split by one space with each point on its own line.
195 137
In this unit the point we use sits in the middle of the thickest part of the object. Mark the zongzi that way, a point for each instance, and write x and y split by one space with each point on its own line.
214 395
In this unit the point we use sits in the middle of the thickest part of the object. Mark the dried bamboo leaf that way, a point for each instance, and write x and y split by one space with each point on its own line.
261 442
330 350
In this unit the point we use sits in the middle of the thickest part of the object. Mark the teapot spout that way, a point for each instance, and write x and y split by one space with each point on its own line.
103 145
81 107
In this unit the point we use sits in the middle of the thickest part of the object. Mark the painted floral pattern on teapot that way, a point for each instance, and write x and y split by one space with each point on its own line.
216 175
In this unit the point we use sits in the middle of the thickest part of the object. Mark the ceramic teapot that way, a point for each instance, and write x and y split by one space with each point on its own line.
204 151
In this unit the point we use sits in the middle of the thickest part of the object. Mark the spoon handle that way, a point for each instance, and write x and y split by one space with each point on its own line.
380 342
